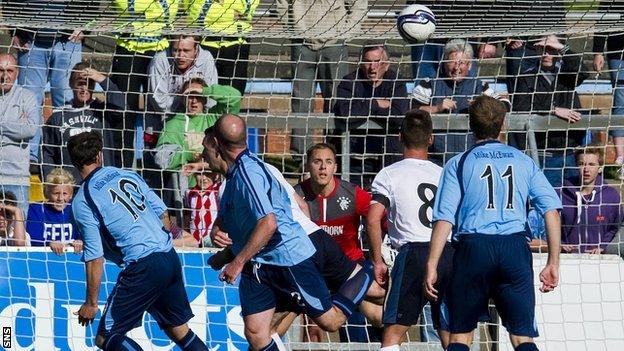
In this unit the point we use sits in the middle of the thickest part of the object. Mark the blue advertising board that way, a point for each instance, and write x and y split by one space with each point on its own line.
40 291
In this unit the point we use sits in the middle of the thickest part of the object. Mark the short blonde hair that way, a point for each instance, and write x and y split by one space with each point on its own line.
59 176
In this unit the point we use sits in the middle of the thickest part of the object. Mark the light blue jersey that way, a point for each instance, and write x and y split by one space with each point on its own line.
485 191
118 216
252 192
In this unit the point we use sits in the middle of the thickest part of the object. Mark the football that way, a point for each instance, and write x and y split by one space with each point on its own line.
416 23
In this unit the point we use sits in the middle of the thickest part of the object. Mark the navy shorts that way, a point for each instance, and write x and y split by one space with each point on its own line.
263 287
405 299
154 284
499 267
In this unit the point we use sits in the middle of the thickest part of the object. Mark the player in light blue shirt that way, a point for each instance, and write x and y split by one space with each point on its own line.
121 219
273 251
482 198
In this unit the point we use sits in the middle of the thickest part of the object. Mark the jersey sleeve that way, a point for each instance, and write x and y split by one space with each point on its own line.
448 196
362 201
381 189
254 190
541 194
88 227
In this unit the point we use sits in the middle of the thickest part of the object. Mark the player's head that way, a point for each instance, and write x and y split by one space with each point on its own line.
8 72
81 86
458 55
486 117
195 100
416 130
321 163
85 149
375 63
230 133
211 153
59 188
590 161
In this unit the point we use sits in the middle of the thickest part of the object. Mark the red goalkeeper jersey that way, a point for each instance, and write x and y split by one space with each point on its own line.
339 213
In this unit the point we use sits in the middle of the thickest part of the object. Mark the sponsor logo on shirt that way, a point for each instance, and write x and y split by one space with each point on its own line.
333 230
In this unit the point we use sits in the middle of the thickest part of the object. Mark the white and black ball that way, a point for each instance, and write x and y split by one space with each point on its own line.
416 23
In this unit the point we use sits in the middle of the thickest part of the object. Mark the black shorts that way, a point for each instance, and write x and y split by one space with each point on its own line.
405 299
154 284
492 266
334 265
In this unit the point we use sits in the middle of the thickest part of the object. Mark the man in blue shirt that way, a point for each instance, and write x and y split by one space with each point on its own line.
273 253
121 219
482 197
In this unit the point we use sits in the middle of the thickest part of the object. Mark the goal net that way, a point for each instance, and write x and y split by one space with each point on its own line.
289 60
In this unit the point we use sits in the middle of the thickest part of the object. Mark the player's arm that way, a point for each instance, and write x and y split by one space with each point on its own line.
262 233
441 231
303 205
88 310
550 274
373 230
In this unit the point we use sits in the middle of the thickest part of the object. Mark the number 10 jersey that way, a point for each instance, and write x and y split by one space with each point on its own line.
407 189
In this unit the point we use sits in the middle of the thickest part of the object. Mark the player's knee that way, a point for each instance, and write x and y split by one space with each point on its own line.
330 321
375 293
256 336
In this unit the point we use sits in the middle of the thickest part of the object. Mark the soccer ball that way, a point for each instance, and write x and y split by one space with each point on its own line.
416 23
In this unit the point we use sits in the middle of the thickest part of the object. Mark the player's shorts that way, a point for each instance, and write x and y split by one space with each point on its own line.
263 287
154 284
332 263
491 266
405 299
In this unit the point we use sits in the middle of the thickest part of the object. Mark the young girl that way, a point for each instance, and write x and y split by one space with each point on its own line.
49 223
12 232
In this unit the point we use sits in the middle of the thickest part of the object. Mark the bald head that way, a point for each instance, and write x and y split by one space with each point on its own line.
231 132
8 72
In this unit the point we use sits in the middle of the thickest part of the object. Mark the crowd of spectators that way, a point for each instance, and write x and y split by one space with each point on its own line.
162 92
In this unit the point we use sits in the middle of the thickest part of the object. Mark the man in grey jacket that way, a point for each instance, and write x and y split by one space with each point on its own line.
169 69
20 119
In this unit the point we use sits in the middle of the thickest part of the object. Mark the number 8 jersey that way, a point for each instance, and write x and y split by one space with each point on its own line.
485 190
118 217
407 189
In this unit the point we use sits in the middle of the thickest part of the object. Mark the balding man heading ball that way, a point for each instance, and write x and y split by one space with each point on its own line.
273 251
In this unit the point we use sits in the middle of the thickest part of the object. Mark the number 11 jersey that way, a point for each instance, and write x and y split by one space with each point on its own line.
407 189
485 190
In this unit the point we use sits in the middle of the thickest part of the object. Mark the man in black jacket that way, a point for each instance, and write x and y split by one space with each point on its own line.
83 114
374 93
550 89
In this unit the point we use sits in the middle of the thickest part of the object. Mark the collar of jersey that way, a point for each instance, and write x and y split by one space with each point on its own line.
485 142
86 180
237 162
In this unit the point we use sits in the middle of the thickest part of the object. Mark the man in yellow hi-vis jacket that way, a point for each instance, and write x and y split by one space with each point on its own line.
228 21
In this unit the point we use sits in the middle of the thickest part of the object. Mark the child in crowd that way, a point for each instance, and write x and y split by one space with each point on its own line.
49 223
202 204
12 231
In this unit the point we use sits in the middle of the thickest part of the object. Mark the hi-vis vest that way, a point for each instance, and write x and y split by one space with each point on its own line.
227 18
144 21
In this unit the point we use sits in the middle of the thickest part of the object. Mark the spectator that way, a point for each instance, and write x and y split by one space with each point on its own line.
181 140
84 113
451 93
320 57
375 92
12 232
549 89
49 223
202 205
337 207
145 22
592 212
229 20
613 45
20 118
169 69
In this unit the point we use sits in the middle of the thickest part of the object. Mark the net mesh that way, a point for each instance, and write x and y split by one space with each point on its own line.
37 301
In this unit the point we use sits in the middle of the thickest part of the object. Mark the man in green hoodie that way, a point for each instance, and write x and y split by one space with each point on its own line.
181 140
